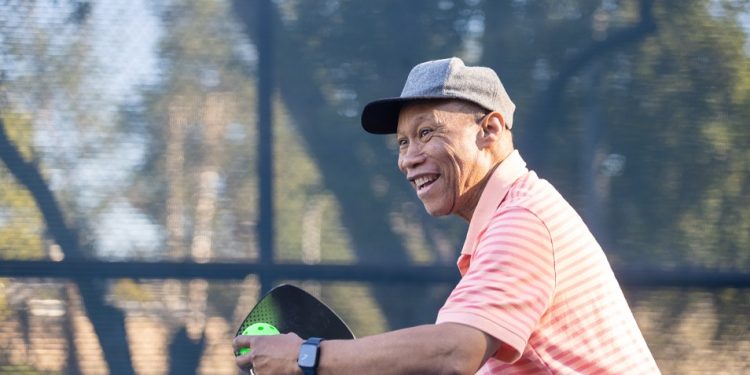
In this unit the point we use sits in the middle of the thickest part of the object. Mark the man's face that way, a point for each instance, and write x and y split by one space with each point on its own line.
440 156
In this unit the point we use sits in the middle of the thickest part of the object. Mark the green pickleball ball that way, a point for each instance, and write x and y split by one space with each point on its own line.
258 329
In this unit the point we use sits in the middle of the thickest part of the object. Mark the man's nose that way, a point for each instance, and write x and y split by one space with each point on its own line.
412 157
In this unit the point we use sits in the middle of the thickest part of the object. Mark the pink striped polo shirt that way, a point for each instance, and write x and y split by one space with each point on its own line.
534 277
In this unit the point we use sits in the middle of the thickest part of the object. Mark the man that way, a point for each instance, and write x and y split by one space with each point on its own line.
537 295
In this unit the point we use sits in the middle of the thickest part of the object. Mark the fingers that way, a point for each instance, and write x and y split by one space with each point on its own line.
243 361
241 341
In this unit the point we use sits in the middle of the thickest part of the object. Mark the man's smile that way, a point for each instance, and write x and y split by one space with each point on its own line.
422 182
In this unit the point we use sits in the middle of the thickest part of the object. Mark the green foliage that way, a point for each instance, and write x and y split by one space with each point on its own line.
5 309
681 121
21 225
24 370
307 218
131 291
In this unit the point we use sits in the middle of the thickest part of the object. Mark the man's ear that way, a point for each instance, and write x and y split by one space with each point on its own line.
493 127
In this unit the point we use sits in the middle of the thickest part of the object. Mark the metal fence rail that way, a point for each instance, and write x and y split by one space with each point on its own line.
383 273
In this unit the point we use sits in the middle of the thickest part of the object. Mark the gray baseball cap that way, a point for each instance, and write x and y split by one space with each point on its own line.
441 79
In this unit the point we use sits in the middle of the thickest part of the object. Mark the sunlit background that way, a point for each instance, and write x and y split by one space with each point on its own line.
225 134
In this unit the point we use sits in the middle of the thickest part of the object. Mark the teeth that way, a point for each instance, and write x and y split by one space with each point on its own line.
421 181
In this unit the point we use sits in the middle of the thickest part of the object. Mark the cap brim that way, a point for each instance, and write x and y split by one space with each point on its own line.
381 116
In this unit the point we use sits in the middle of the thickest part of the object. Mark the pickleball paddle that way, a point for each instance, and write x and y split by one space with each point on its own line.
287 308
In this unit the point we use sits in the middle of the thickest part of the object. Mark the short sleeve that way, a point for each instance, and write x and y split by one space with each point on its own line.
509 283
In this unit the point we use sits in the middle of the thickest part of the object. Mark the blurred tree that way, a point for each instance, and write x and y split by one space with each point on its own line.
678 110
200 181
40 81
196 185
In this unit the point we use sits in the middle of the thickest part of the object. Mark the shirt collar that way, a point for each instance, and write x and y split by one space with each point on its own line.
493 194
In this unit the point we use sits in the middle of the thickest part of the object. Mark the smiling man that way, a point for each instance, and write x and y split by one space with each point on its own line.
537 294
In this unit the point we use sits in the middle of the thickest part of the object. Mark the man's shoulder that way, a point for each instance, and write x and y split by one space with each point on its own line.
538 196
528 190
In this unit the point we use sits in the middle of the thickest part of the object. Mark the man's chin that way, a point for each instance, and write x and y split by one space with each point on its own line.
436 211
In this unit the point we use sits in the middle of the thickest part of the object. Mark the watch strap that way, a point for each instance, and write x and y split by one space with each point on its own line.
307 370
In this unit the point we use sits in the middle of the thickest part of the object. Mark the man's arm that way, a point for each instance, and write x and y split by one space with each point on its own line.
429 349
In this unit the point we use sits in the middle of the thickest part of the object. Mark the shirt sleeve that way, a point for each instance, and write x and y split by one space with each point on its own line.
509 283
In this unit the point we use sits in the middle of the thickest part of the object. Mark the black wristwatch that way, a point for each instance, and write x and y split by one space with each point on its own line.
308 355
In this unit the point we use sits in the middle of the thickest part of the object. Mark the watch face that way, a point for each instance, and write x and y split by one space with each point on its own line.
308 355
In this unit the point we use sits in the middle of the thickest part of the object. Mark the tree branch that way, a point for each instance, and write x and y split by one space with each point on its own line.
28 175
548 105
108 322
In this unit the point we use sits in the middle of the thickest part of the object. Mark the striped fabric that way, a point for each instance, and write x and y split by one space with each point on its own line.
535 278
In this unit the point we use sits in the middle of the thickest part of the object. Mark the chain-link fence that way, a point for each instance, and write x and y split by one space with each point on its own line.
164 163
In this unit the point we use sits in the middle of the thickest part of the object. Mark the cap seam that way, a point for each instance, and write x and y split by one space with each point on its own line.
448 75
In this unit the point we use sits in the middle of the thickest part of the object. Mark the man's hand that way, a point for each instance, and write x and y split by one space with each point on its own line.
269 355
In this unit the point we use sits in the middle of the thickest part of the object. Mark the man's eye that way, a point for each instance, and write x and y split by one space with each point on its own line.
424 132
402 142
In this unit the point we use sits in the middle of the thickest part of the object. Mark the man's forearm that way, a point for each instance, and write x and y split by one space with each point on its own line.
428 349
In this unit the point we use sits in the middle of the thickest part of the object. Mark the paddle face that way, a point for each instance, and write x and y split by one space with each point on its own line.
291 309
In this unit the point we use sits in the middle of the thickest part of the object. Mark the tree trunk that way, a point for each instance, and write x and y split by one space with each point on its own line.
109 322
